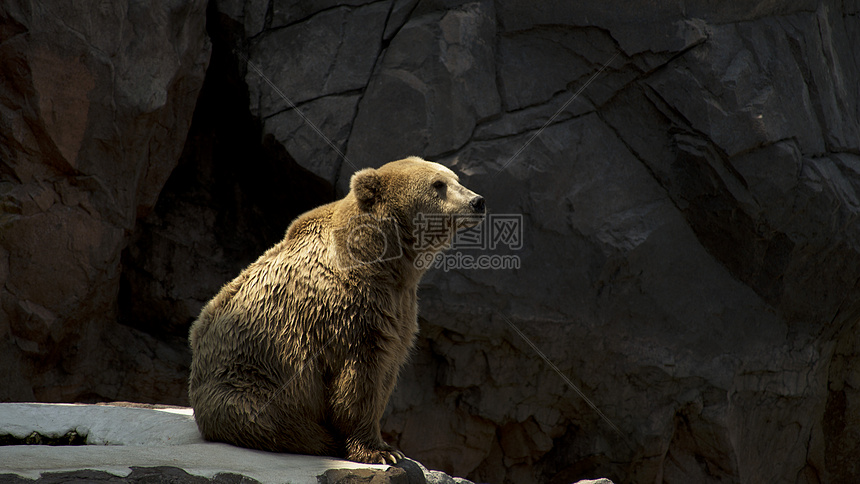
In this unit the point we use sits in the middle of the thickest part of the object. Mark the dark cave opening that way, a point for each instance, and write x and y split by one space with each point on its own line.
232 195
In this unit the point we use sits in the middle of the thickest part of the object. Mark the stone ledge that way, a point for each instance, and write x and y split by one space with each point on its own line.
128 444
136 443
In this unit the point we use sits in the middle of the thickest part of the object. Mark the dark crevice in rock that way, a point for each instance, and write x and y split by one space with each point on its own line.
231 197
270 27
763 16
672 58
841 427
564 463
552 98
753 149
403 19
376 67
497 65
754 253
638 156
270 15
519 134
809 81
344 159
35 438
299 105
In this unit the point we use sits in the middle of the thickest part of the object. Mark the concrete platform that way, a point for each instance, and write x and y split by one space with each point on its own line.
130 444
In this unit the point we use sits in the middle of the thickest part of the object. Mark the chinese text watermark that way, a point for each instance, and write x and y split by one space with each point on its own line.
471 232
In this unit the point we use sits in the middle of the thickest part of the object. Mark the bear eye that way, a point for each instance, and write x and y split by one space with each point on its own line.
438 184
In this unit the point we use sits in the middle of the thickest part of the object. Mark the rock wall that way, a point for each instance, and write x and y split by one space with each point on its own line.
95 103
690 255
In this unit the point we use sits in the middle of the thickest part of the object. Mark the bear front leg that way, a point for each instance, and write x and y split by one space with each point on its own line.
359 397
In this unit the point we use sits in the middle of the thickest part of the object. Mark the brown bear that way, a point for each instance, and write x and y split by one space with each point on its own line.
300 353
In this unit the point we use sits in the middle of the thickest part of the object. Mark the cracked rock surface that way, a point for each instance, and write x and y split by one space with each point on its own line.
690 251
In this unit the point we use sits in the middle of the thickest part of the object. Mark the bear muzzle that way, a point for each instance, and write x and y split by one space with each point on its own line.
477 204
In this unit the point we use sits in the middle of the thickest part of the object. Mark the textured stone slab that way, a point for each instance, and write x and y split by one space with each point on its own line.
135 444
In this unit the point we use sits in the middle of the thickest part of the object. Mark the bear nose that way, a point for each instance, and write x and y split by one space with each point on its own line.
477 204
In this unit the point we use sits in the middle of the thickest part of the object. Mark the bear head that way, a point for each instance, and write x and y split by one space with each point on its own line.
406 208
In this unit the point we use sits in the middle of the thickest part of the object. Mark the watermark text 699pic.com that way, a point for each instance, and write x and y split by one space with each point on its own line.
497 230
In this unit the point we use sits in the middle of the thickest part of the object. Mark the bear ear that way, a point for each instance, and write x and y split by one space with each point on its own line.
366 185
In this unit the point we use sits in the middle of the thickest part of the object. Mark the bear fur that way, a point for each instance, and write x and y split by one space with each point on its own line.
300 353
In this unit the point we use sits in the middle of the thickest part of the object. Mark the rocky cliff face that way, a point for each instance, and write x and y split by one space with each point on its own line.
95 103
690 252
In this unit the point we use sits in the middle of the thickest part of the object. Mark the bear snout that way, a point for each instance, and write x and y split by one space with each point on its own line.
477 204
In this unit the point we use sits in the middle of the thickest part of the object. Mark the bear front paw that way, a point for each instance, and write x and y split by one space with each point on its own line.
366 455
